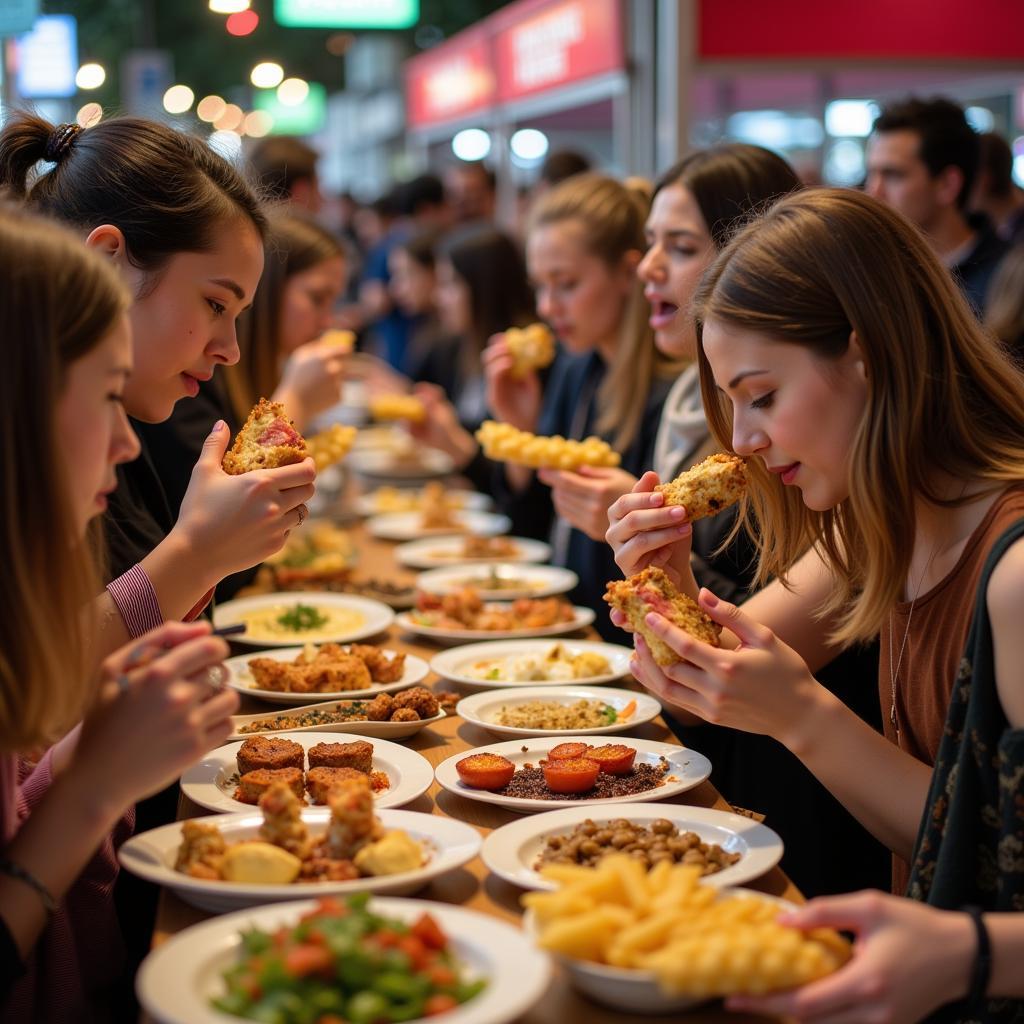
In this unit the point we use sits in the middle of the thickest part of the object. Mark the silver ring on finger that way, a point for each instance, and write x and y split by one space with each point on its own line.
303 512
123 683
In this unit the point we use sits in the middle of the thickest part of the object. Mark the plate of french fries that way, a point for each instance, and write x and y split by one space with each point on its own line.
661 940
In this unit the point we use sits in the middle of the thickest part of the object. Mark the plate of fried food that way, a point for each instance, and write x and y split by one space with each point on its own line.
298 675
727 848
386 500
532 663
433 552
558 710
237 774
393 455
501 581
664 940
471 967
283 620
544 773
407 526
283 850
467 616
388 716
318 555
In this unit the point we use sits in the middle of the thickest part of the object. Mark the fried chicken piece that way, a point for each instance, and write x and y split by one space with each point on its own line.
202 850
270 674
382 669
358 755
343 674
653 591
707 488
269 752
353 822
418 699
320 780
405 715
447 699
267 440
379 709
252 785
282 820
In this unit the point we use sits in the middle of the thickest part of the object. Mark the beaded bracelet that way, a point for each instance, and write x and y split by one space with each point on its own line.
15 870
981 971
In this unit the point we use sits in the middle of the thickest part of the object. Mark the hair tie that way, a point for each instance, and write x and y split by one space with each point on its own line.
60 141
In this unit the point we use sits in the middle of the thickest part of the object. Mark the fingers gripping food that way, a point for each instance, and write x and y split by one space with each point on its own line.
269 439
504 443
652 591
707 488
532 348
398 407
331 445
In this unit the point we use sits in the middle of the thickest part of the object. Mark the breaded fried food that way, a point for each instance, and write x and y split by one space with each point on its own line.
532 348
405 715
346 672
331 670
353 822
267 440
707 488
652 591
398 407
503 442
379 709
320 780
202 850
357 755
252 785
331 445
268 752
282 820
382 669
418 699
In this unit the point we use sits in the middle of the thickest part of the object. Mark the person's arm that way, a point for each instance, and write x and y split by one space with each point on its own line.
1005 598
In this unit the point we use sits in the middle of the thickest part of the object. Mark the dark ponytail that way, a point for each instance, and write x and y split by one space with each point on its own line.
165 190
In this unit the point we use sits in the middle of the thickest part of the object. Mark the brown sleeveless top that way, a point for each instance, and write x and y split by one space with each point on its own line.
935 647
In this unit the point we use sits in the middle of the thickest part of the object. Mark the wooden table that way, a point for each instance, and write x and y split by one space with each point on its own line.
473 886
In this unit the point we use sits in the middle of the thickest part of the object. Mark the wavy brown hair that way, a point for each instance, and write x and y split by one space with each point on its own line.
58 300
943 398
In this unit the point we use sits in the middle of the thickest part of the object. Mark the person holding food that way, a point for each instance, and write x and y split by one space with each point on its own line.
908 520
66 791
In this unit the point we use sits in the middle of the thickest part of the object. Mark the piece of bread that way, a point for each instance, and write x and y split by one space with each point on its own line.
532 348
398 407
253 784
502 442
269 439
357 755
707 488
652 591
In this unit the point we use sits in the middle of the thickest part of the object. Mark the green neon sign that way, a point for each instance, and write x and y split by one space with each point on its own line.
346 13
303 118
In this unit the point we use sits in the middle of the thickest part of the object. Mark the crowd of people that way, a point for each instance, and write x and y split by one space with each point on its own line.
859 348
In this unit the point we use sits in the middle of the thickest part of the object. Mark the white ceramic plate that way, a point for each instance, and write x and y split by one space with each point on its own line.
434 552
374 617
457 663
423 464
582 617
240 679
483 708
500 581
512 850
207 781
687 769
409 525
381 730
448 843
177 980
370 504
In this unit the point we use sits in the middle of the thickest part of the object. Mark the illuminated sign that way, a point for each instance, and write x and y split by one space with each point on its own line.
47 58
346 13
303 118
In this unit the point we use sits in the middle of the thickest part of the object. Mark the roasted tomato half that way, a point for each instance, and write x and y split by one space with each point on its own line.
485 771
614 758
568 751
575 775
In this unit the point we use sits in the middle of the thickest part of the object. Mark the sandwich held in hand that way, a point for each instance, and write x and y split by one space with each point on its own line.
707 488
269 439
532 348
652 591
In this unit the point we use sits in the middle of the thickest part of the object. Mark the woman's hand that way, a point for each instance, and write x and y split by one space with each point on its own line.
512 399
643 532
441 427
159 709
583 497
760 686
909 959
311 381
230 522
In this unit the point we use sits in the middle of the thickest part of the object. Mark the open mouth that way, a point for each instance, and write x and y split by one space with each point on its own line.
662 313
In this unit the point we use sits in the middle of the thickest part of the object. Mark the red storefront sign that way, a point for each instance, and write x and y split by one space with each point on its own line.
453 80
540 45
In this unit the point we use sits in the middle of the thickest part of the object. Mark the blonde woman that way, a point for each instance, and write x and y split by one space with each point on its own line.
883 430
149 711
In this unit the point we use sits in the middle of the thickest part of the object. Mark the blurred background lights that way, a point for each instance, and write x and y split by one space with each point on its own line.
258 123
229 6
529 144
844 163
471 144
775 129
90 76
89 115
227 143
267 75
292 91
981 119
242 24
231 119
850 118
210 108
178 99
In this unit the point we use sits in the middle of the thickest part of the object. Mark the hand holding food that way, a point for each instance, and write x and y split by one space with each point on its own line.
515 399
267 440
583 496
532 348
708 487
312 378
344 341
505 443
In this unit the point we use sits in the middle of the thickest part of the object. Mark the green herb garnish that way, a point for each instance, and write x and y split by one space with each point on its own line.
301 618
610 714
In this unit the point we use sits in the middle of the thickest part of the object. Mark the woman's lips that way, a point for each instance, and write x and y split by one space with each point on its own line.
662 314
786 473
191 385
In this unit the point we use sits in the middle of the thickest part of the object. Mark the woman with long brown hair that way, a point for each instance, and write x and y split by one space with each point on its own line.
884 435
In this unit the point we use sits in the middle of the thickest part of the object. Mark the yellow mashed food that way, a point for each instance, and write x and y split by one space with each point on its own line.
301 622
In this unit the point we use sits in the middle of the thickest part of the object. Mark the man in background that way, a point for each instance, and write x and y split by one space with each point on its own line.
471 188
995 193
286 168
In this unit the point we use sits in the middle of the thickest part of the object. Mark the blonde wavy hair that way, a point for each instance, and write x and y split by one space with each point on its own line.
58 300
613 216
943 398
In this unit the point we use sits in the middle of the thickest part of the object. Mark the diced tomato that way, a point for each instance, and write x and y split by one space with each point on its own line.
414 949
386 938
301 961
441 975
428 931
485 771
330 1018
568 751
614 758
250 985
439 1002
576 775
315 937
281 936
